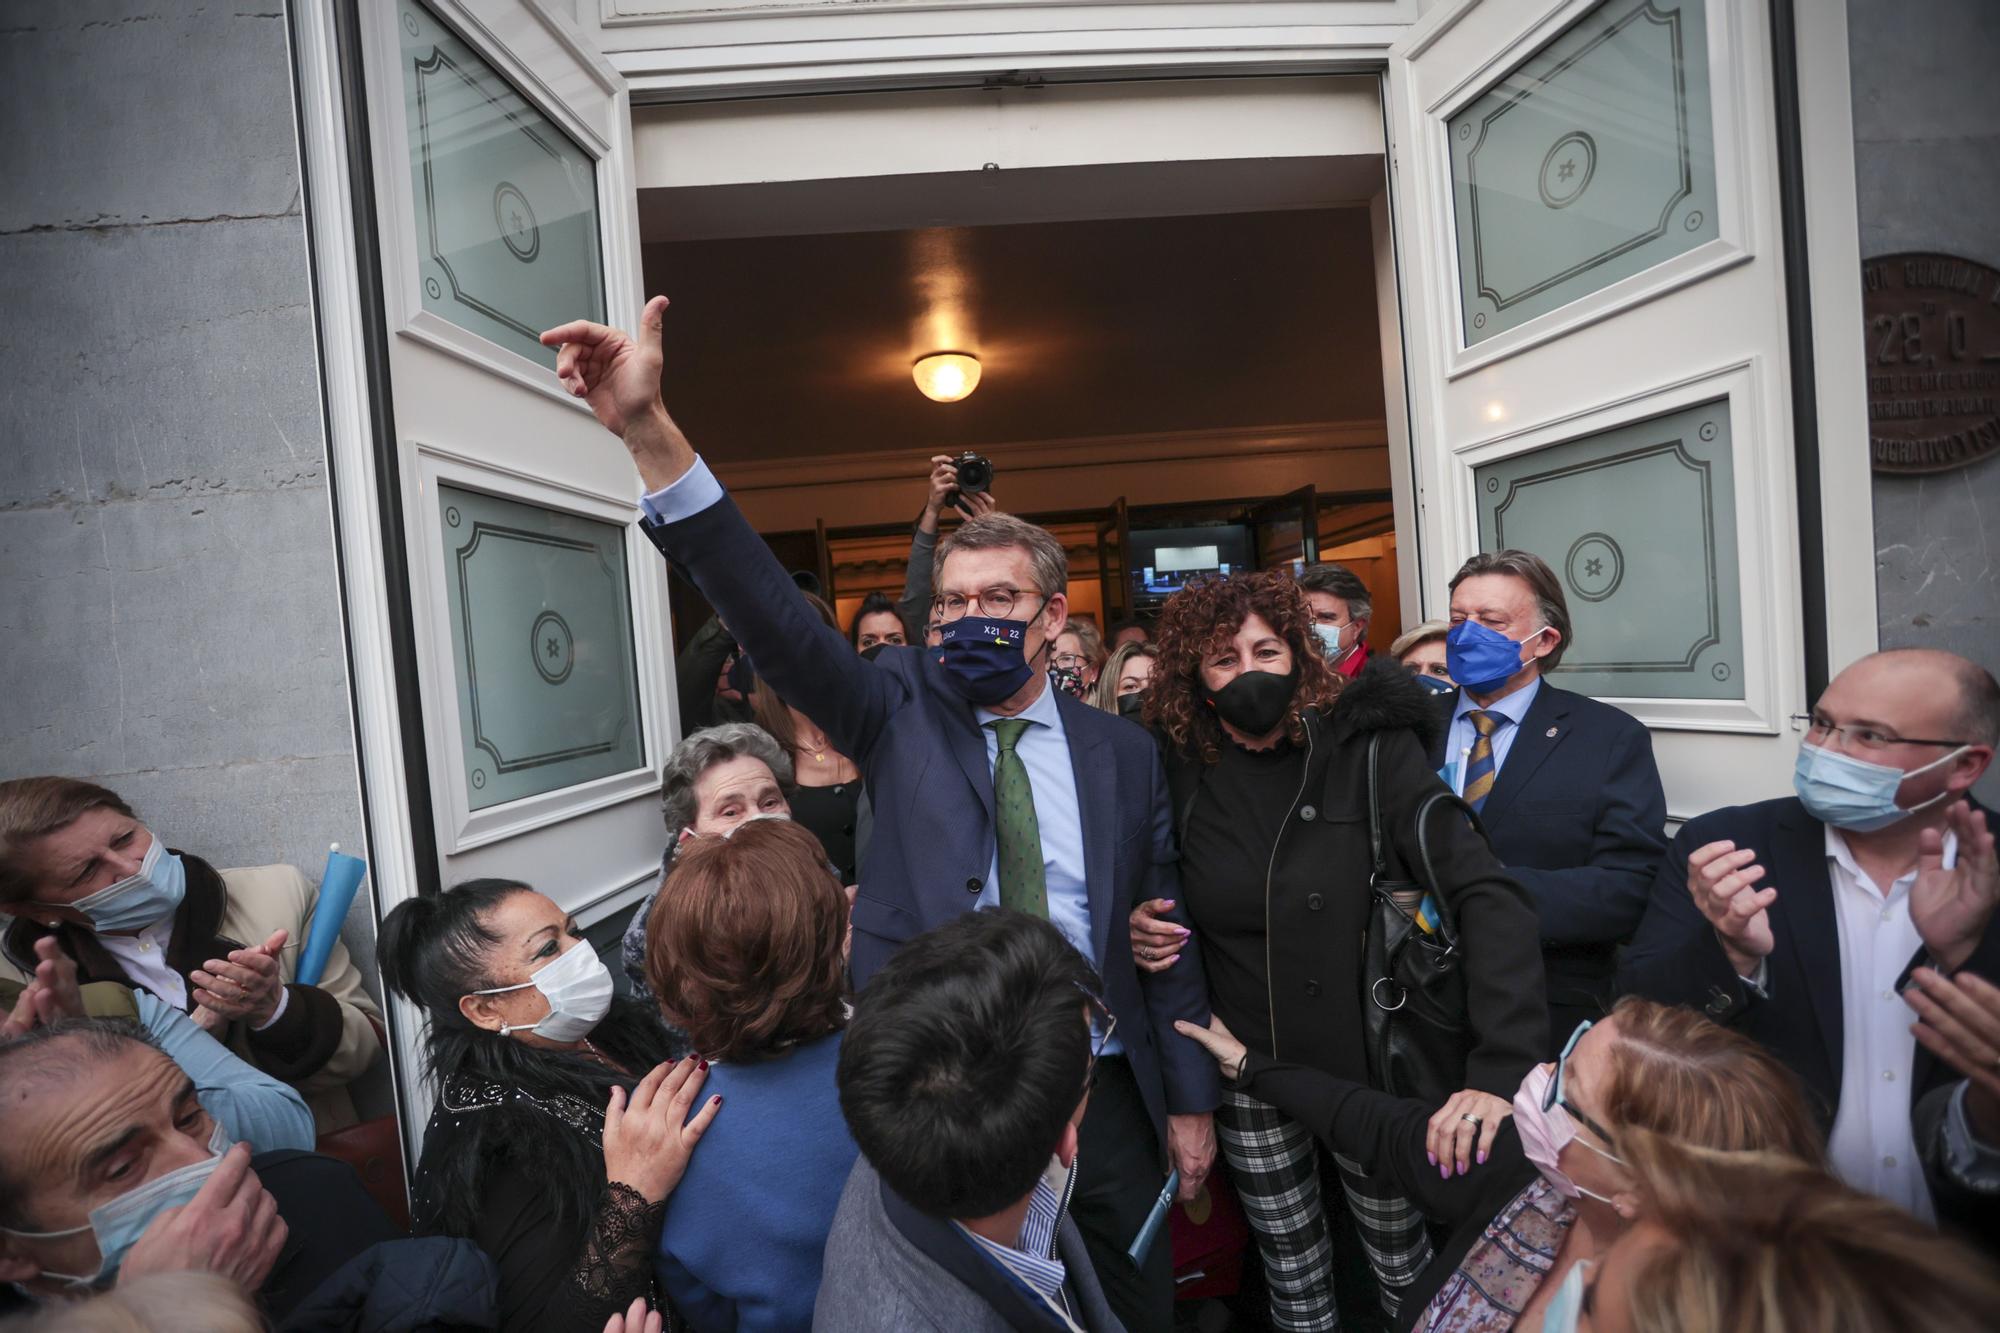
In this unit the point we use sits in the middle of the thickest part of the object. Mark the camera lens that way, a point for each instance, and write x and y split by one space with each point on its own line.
974 473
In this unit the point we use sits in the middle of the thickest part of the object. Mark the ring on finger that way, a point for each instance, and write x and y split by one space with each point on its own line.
1472 1120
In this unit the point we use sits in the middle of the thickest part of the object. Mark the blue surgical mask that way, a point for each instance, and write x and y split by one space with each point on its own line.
1329 642
139 900
1854 794
1565 1308
986 660
1480 658
118 1222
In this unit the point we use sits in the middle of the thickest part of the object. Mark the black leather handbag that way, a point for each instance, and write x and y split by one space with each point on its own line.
1413 1003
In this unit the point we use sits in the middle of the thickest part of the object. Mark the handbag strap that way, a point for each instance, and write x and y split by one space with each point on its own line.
1375 810
1447 926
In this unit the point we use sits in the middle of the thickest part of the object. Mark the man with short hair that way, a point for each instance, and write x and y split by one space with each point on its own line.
1341 611
112 1167
1565 786
1799 920
963 1076
989 788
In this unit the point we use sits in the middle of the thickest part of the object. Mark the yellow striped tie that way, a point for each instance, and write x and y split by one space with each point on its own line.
1479 769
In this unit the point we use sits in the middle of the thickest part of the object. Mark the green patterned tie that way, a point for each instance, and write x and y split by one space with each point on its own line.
1023 878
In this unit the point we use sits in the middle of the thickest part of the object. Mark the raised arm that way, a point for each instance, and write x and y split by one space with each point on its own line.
697 527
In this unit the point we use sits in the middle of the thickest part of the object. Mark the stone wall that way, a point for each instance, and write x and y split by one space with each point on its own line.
1927 162
169 612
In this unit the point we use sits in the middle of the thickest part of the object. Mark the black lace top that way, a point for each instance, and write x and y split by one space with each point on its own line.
557 1273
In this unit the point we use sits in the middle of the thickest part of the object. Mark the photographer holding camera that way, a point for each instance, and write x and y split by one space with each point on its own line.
974 499
989 788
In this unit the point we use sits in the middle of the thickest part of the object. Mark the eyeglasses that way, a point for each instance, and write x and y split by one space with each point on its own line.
1819 727
996 602
1102 1024
1069 661
1555 1091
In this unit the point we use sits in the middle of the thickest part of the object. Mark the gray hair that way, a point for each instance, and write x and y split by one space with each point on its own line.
997 532
43 1056
1338 581
698 753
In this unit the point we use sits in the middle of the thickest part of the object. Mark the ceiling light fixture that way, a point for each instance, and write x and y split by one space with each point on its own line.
946 377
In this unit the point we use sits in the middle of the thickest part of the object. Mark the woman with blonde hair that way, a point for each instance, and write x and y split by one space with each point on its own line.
1121 686
188 1302
1760 1242
1549 1190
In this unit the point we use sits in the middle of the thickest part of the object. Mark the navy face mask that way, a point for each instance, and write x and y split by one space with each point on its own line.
986 659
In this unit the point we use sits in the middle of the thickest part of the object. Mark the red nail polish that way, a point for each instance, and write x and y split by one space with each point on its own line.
718 1101
701 1064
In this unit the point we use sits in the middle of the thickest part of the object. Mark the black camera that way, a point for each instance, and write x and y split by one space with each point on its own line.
975 472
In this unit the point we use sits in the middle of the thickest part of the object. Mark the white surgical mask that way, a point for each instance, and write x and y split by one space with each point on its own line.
119 1222
578 988
140 899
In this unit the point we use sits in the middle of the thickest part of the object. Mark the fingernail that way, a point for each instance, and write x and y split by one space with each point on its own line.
1185 932
702 1064
1170 904
1461 1168
1433 1156
1482 1159
716 1101
1444 1172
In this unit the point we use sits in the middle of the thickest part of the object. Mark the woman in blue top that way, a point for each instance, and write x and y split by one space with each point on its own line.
746 949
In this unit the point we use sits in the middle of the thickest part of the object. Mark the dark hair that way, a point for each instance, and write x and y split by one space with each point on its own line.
1534 571
432 951
745 945
1338 581
966 1056
32 808
35 1058
874 604
1205 615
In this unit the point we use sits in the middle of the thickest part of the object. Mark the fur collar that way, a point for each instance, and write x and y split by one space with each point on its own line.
1385 697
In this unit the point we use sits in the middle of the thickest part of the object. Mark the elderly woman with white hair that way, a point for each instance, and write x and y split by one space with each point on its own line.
714 780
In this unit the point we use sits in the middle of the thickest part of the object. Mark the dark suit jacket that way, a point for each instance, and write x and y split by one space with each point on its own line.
924 761
1578 816
1676 958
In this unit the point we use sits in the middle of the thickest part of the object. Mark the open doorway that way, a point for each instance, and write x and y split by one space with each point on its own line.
1168 349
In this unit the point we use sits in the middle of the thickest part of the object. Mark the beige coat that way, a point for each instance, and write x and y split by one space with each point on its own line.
260 900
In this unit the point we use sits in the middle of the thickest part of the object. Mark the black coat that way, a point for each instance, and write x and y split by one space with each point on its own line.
1314 984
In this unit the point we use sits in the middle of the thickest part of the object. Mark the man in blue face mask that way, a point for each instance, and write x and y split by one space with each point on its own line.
988 787
1566 786
1799 919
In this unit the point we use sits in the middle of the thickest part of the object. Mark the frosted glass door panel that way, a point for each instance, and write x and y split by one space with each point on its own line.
548 692
506 203
1639 523
1592 161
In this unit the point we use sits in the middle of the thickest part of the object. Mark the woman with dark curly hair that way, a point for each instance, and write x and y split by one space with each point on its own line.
1267 765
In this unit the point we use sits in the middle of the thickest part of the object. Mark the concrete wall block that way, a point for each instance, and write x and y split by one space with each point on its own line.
62 678
1923 71
122 112
168 361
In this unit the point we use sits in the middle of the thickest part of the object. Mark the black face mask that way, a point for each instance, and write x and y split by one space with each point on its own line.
1131 705
1256 701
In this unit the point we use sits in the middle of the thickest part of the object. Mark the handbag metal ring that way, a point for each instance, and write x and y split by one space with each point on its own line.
1376 991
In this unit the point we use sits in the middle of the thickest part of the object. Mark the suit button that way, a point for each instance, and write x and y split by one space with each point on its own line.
1307 812
974 885
1312 988
1314 902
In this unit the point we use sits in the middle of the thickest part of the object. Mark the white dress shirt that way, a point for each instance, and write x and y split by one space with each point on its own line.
1873 1146
1460 738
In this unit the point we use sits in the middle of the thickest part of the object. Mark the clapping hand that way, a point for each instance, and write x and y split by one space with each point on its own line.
1722 880
51 993
1950 907
246 985
648 1137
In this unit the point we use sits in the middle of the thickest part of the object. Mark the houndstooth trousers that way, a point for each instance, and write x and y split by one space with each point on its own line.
1274 1165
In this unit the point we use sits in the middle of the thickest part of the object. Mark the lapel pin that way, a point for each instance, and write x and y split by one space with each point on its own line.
1550 733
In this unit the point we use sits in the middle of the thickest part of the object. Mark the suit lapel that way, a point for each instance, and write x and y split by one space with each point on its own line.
968 743
1811 934
1097 797
1542 728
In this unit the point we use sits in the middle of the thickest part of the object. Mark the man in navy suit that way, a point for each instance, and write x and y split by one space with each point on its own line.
1798 920
1566 786
988 788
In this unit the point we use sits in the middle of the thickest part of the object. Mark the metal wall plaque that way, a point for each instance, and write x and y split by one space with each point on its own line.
1933 361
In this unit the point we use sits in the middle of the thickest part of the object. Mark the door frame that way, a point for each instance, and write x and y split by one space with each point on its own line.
365 494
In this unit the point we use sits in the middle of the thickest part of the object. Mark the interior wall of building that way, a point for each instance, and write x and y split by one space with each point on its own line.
1927 167
169 613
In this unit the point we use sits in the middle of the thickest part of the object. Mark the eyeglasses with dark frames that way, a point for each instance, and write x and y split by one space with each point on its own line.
1555 1090
1102 1024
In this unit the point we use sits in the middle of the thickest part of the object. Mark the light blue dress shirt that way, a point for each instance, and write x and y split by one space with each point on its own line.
250 1105
1033 1262
1043 747
1458 741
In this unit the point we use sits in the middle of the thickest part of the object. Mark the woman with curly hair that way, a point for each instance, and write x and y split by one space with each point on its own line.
1267 766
